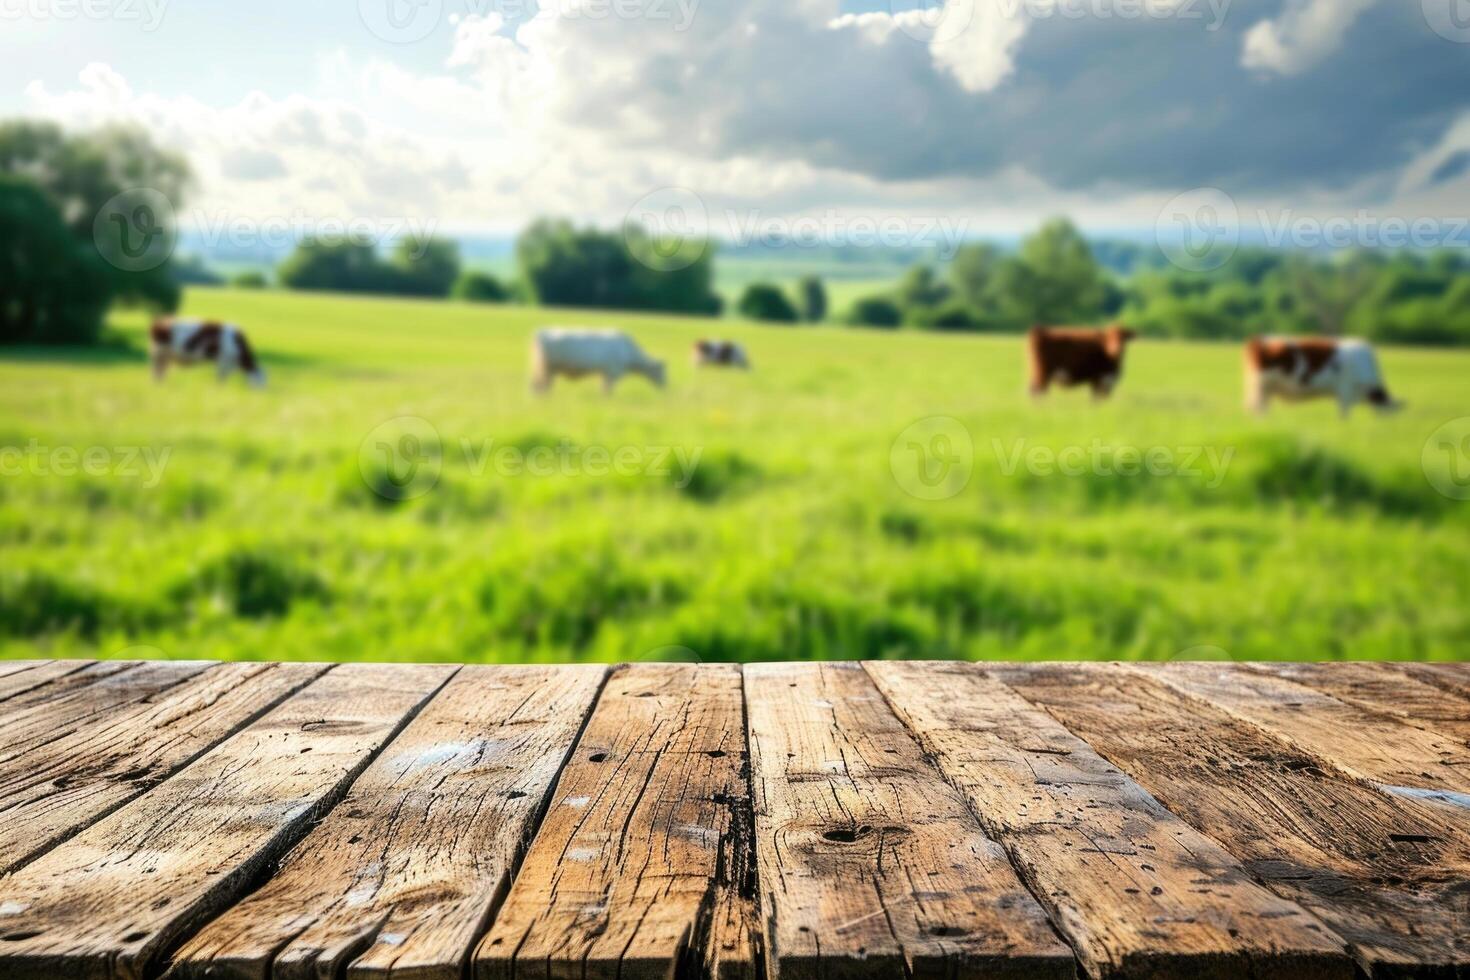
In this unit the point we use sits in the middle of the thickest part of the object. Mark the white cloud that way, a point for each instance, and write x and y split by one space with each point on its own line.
790 107
979 52
1304 35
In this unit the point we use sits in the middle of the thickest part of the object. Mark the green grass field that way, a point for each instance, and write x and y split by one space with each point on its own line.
803 531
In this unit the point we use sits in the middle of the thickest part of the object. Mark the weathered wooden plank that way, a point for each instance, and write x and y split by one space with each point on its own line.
401 876
109 901
84 771
1138 892
8 667
44 672
85 697
1383 688
1379 748
1390 877
870 864
1454 678
621 875
733 946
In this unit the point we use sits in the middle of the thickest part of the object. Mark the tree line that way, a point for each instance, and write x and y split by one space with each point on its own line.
62 266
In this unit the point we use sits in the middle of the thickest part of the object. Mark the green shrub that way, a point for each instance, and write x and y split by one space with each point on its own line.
252 584
762 301
875 311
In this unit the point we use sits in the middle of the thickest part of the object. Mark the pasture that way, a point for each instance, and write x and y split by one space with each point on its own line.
778 514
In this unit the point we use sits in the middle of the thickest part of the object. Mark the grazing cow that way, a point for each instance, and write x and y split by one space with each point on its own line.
179 341
1078 356
720 353
1301 368
577 352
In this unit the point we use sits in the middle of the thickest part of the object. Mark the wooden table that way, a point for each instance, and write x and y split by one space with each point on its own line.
895 820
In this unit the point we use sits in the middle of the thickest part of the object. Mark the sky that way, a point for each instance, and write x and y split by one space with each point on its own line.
478 115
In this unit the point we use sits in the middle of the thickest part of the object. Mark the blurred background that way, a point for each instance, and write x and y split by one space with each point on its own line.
874 201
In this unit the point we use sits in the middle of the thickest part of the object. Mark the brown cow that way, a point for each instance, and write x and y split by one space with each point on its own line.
1300 368
1077 356
179 341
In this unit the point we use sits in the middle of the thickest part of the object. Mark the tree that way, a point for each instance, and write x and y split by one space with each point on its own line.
101 183
479 287
346 265
565 266
973 274
53 288
253 279
920 290
80 173
875 311
425 266
1328 292
762 301
813 299
1054 278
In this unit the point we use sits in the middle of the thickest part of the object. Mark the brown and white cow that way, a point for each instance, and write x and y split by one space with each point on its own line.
1070 356
720 353
179 341
1302 368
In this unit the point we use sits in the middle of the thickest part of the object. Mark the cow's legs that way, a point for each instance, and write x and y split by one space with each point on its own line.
1255 394
160 365
609 382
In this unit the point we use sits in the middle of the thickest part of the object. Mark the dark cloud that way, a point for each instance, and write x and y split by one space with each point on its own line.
1092 102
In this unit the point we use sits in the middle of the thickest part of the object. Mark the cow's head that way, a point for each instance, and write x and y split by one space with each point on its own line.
1115 339
658 373
1381 400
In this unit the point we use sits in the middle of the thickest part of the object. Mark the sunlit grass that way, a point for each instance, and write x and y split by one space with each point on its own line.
261 535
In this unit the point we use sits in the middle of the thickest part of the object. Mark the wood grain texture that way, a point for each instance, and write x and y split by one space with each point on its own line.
1138 892
734 946
1454 678
1390 877
1378 748
39 673
400 877
110 900
85 771
620 880
80 699
870 864
1384 688
8 667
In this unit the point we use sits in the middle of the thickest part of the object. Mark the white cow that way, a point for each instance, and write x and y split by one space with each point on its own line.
575 352
1301 368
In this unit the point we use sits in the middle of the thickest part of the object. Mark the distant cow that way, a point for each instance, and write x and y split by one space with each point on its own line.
179 341
720 353
1301 368
1078 356
575 353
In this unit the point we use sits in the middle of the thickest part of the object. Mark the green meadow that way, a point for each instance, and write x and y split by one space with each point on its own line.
793 512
